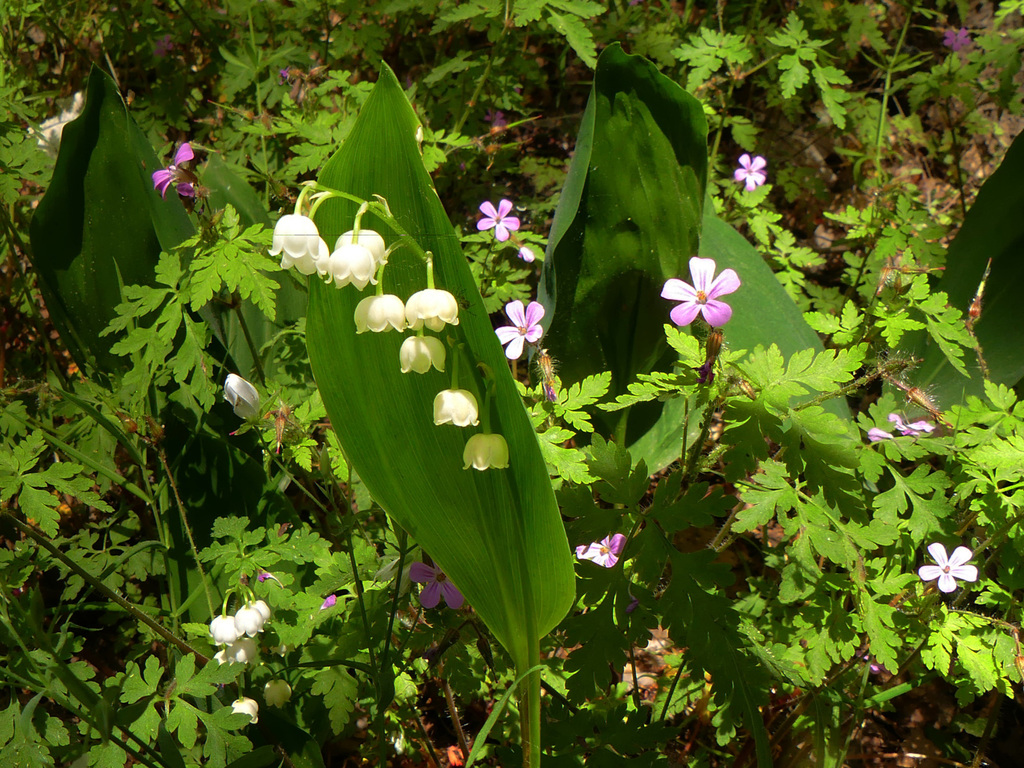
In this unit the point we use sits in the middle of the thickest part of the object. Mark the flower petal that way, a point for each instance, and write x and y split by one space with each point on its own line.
431 595
485 224
487 209
745 161
701 272
938 553
507 334
534 313
929 572
516 313
533 333
184 154
504 208
758 163
514 350
452 596
501 233
717 313
726 283
685 313
965 572
512 222
947 583
739 174
960 556
676 290
616 543
421 572
875 434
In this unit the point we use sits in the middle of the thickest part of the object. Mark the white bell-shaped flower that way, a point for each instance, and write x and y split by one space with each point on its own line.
419 353
276 692
433 308
456 406
248 707
222 630
367 238
263 609
242 395
298 241
242 651
486 452
351 263
249 619
379 313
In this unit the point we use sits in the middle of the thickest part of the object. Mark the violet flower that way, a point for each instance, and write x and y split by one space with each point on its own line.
163 46
174 173
525 327
956 39
498 220
875 435
701 297
495 118
527 254
751 171
438 586
948 569
329 602
914 428
605 552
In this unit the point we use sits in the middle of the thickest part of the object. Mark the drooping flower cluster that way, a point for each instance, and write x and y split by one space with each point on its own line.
235 632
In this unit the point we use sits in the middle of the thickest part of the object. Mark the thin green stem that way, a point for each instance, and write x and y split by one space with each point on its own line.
103 589
886 89
248 339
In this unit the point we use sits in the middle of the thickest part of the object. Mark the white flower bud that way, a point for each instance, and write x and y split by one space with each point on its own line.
353 264
299 240
433 308
263 609
249 620
246 706
455 406
276 693
379 313
367 238
222 630
242 395
418 353
485 452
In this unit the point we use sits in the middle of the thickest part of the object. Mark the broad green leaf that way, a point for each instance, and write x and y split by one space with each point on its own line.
100 224
496 533
628 218
994 228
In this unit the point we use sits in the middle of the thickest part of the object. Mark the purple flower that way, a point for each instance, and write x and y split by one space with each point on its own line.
328 602
948 569
525 327
499 219
495 118
875 435
438 585
282 76
605 552
633 603
526 254
915 428
174 173
957 39
163 46
701 297
751 171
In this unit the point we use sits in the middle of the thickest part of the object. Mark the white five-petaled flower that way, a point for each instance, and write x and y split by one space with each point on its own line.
431 307
276 692
222 630
751 171
948 569
456 406
379 313
248 707
701 298
242 651
297 238
484 451
242 395
419 353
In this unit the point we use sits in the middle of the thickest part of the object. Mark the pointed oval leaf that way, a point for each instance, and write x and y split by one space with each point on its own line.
497 533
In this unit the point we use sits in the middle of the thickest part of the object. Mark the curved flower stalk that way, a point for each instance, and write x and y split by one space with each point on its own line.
701 298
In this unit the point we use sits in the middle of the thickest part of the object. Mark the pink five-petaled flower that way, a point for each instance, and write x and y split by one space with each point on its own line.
751 171
175 174
605 552
702 296
957 39
525 327
437 585
948 569
499 220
